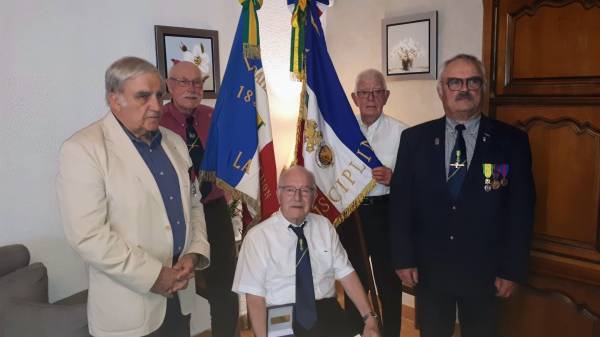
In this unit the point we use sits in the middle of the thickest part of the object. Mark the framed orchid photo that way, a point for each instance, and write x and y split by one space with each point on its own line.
200 46
410 46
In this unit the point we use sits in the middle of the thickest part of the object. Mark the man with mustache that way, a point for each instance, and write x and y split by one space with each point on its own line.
462 206
125 201
186 116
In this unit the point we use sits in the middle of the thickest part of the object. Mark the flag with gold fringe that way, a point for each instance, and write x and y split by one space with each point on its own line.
239 153
329 141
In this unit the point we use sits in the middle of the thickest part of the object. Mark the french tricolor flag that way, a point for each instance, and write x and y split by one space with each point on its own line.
329 142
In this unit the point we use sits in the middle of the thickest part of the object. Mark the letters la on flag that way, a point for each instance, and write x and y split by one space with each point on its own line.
239 153
329 141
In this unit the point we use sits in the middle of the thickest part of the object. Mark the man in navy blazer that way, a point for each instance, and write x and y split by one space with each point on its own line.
462 205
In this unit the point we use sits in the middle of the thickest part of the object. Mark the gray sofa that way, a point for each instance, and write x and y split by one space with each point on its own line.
24 307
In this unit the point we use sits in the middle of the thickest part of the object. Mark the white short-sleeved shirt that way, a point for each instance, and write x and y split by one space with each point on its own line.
384 137
267 263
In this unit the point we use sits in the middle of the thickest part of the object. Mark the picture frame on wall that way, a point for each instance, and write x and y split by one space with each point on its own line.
410 46
200 46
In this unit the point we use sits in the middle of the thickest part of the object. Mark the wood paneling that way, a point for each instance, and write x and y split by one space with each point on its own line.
547 48
543 59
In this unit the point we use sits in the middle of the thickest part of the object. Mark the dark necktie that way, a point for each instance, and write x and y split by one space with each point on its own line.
458 163
305 310
196 152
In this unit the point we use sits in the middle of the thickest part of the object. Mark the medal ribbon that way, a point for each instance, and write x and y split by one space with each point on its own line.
487 170
504 170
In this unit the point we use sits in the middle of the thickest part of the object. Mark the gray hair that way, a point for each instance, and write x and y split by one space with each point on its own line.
467 58
124 69
373 73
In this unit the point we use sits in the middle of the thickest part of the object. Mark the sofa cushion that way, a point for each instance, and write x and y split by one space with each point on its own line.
29 283
31 319
13 257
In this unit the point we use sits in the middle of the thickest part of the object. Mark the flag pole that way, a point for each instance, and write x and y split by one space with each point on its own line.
373 291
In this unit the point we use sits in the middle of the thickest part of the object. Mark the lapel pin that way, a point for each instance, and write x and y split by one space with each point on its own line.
486 136
436 141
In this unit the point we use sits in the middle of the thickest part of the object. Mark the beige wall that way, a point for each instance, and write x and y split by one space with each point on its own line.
354 41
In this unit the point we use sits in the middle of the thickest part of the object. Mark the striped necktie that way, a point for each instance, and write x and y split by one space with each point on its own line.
196 151
305 310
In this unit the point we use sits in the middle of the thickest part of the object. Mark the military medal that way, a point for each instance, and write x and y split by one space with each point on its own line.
504 173
487 173
496 177
496 184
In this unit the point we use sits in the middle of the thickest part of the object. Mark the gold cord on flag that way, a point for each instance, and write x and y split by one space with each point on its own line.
251 40
297 47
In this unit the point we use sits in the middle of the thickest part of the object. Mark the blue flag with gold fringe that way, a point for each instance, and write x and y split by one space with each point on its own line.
239 153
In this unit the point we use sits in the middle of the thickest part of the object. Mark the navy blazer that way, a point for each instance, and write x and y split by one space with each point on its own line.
462 246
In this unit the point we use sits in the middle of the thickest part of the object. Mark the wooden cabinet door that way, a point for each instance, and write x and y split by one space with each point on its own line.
543 63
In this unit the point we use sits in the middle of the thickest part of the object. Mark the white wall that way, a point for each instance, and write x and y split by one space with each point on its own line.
53 57
354 40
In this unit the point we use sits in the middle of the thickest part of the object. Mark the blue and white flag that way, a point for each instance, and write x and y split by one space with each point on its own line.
329 141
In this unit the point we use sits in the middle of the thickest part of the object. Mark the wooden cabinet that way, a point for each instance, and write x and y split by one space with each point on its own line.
543 63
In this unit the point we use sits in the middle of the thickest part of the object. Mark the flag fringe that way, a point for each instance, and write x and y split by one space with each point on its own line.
211 176
354 205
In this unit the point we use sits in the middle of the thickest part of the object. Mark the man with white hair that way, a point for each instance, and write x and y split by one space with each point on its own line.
295 257
186 116
128 211
383 133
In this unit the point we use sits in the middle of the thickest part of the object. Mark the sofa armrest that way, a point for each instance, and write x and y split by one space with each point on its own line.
13 257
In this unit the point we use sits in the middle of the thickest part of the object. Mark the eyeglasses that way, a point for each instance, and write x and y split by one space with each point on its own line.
290 191
456 84
187 83
376 93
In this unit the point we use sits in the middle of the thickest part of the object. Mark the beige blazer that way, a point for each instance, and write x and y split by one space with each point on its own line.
114 217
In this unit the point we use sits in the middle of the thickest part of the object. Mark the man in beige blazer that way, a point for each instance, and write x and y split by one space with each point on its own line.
127 209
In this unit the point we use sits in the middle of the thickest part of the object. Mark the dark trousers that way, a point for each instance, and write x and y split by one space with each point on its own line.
375 226
436 312
214 283
331 322
175 324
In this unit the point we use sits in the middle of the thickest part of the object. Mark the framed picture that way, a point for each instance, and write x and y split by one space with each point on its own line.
200 46
410 46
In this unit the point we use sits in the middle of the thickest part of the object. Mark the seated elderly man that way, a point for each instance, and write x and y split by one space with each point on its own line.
294 257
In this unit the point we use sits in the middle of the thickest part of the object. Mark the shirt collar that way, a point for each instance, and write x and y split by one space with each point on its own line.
471 125
285 221
178 115
156 136
364 127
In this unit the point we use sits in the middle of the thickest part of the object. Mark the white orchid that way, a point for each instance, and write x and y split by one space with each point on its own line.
197 56
407 50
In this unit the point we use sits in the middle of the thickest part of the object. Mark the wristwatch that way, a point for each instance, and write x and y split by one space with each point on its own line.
369 314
